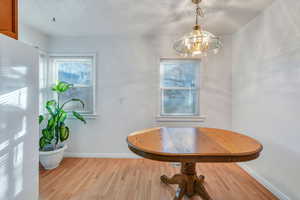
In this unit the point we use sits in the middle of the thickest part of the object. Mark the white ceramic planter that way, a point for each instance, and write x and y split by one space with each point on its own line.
52 159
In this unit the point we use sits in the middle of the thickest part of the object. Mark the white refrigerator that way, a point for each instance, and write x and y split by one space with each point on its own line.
18 120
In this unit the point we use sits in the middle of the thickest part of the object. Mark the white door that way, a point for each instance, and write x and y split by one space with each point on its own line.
18 120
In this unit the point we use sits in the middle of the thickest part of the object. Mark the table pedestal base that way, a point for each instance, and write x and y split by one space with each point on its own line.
188 181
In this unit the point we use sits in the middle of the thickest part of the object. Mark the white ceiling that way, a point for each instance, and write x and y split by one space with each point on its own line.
102 17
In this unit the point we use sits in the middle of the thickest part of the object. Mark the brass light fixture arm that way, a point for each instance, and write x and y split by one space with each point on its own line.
196 1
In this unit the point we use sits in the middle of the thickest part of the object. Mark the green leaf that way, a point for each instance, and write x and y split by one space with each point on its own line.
63 86
43 142
70 100
41 118
64 132
51 103
80 101
62 116
78 116
54 88
51 123
50 106
48 134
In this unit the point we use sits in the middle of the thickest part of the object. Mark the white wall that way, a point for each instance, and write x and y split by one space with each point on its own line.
18 120
266 92
33 37
127 90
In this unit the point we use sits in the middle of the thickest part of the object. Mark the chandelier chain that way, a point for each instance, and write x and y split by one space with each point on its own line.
199 12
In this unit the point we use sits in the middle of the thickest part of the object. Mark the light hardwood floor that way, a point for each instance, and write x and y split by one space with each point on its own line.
139 179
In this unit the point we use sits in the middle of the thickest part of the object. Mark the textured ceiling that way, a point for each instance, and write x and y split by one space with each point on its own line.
134 17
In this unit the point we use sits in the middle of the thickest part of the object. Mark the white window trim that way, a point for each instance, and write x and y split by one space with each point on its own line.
46 55
94 71
182 119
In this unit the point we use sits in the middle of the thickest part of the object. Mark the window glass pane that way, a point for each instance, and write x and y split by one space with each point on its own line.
75 71
179 102
179 73
83 93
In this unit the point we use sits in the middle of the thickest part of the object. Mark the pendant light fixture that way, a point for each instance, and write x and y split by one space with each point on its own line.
198 42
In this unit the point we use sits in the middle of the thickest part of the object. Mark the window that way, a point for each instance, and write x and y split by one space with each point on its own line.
43 66
78 70
179 87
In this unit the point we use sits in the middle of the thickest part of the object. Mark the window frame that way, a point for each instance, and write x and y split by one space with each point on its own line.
53 74
45 81
179 117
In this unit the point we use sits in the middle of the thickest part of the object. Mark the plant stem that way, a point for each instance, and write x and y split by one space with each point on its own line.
57 122
65 103
58 98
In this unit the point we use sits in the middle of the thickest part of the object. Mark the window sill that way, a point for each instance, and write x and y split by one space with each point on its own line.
180 118
86 116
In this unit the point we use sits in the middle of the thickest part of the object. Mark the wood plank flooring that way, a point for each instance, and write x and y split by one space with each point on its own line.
138 179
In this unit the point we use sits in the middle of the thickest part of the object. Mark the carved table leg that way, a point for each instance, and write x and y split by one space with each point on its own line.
179 180
179 194
188 182
200 189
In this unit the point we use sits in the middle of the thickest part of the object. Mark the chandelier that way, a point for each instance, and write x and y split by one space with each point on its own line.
198 42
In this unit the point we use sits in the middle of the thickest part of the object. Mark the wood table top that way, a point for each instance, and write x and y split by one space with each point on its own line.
193 145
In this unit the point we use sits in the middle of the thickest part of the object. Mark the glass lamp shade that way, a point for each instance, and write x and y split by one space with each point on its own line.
197 43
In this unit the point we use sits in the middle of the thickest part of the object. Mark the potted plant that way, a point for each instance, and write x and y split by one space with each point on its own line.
55 132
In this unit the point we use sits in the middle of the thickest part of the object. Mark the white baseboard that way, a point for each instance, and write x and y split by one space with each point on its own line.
264 182
100 155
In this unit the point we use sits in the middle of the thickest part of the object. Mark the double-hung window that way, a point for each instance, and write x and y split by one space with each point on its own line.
78 70
179 87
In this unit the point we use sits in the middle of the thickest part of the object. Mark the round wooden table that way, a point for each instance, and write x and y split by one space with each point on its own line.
189 146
